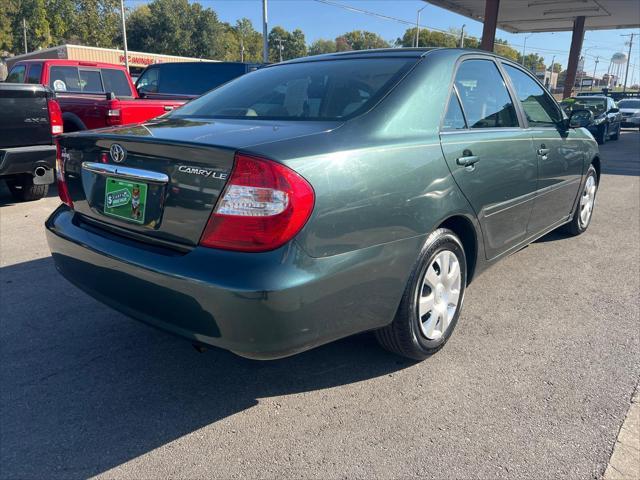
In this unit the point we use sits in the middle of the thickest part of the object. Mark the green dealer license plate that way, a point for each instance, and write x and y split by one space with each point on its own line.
125 199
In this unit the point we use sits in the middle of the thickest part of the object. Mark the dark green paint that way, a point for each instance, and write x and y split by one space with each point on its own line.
383 181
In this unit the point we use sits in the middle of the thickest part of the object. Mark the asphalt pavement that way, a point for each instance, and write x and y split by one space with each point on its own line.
534 383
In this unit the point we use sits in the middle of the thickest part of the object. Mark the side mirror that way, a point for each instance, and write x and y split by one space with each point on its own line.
580 118
614 110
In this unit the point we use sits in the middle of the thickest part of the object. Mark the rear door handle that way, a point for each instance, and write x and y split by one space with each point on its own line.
468 160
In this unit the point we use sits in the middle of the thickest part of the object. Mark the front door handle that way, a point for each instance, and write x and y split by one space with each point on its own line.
543 151
467 160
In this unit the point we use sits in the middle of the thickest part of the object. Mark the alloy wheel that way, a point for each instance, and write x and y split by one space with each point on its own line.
587 200
439 295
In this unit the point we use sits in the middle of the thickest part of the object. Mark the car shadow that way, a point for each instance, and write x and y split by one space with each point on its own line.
85 389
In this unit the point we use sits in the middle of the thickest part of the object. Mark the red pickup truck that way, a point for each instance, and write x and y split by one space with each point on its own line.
91 94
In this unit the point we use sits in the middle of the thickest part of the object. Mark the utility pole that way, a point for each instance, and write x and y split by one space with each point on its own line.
626 73
524 48
418 26
593 77
462 36
124 36
581 61
24 34
265 33
241 49
280 47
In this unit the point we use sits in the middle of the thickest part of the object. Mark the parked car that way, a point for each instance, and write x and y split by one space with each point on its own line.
337 194
630 111
187 80
30 120
607 119
91 95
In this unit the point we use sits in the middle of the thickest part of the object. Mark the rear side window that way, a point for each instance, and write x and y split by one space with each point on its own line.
90 81
539 108
196 79
323 90
116 81
485 99
35 72
454 119
64 79
17 74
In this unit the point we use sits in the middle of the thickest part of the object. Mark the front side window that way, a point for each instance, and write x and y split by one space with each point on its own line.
485 99
64 79
116 81
539 108
35 71
322 90
17 74
454 119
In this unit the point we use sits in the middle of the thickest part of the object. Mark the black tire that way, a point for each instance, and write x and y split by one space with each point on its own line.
23 189
577 226
616 135
603 133
404 336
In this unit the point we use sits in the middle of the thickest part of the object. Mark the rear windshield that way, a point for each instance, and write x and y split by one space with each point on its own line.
324 90
629 104
89 80
596 105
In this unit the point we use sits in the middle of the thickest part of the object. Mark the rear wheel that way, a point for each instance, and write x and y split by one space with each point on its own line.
582 215
23 189
432 300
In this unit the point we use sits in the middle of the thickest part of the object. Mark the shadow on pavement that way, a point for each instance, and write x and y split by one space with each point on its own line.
85 389
7 199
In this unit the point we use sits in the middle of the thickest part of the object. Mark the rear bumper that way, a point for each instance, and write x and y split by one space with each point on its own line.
631 122
14 161
263 306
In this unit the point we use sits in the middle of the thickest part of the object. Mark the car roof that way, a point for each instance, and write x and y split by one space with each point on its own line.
71 63
589 97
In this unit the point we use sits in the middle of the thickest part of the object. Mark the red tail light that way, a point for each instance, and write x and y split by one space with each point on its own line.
55 117
263 206
63 189
114 113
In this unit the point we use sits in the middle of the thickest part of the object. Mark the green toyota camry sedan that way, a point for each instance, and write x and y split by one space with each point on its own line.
321 197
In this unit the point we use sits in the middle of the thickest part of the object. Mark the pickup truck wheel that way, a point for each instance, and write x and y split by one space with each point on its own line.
432 300
23 189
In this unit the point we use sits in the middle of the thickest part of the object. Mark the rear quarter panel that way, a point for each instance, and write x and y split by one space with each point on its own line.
381 177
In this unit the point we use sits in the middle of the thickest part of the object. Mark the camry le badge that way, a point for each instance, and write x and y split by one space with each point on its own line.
118 153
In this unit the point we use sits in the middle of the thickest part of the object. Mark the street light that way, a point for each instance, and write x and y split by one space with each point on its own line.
418 24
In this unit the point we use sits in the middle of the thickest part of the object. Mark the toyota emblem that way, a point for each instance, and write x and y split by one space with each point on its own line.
118 153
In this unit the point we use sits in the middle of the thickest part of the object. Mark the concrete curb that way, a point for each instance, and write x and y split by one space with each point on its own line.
624 463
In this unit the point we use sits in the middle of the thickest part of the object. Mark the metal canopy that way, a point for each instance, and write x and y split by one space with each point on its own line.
520 16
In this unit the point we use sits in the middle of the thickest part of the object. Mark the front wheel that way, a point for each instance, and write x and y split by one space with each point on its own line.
616 135
582 215
432 300
603 133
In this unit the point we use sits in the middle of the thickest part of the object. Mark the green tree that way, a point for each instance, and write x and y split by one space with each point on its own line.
286 45
361 40
38 32
532 61
97 23
8 9
249 39
501 47
322 46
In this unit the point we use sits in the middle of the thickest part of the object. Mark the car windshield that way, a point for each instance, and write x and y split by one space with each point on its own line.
320 90
629 104
597 106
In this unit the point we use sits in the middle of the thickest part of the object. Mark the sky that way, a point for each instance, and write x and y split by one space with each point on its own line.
318 20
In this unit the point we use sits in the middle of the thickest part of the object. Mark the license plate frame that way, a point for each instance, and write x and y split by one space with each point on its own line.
125 199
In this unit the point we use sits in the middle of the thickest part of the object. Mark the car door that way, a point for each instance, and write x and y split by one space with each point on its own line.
559 151
490 156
